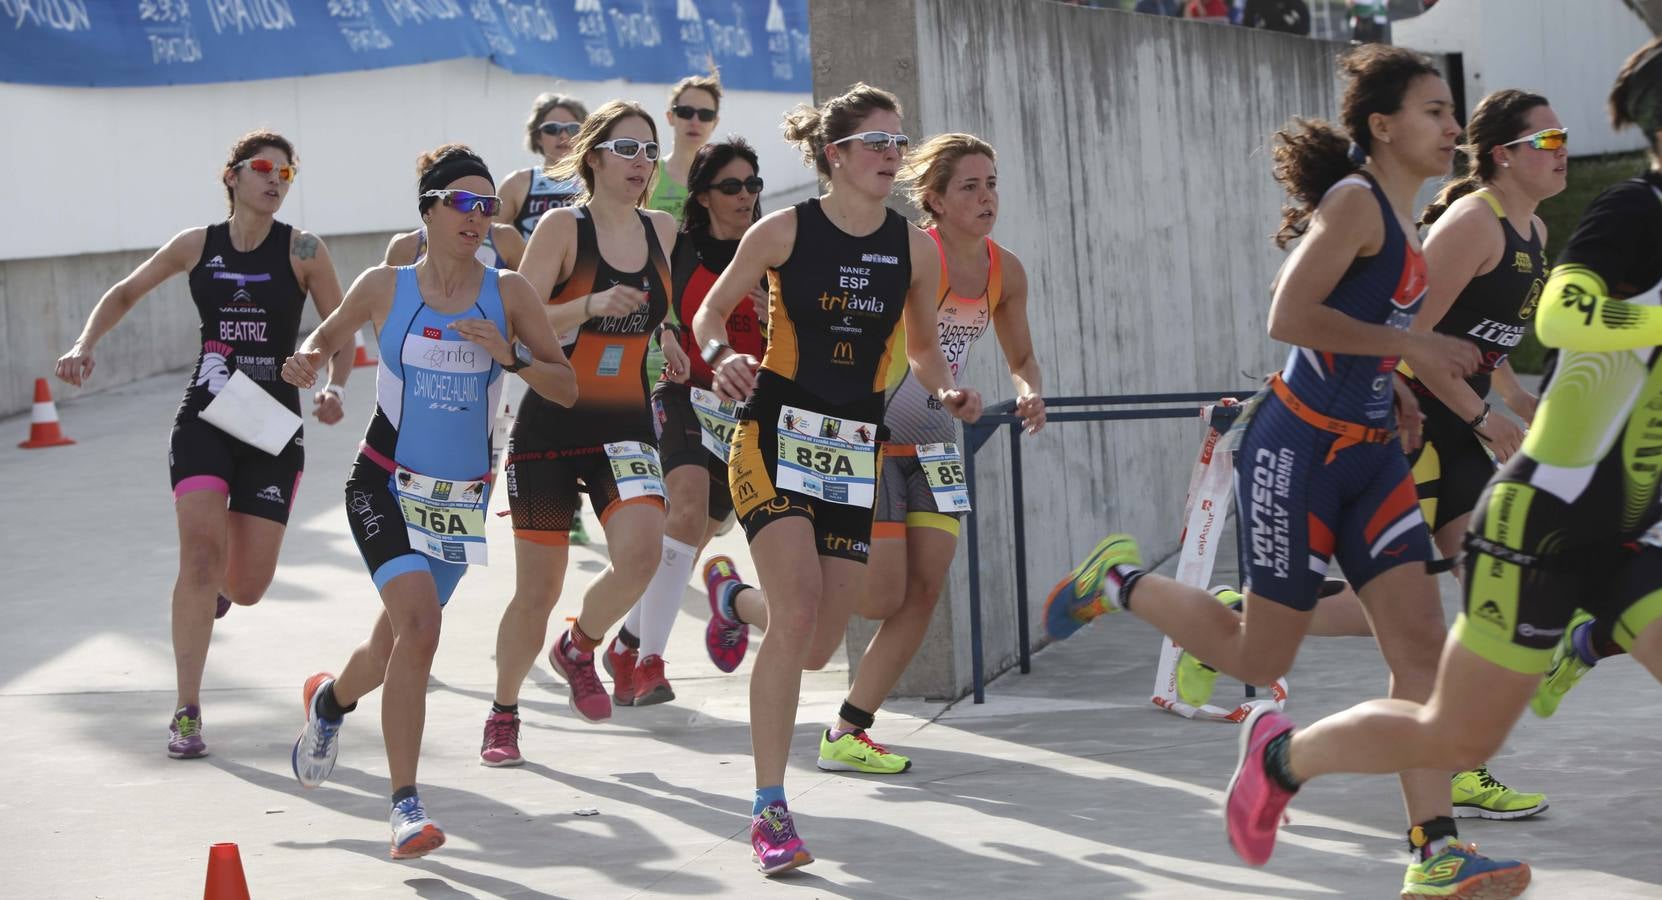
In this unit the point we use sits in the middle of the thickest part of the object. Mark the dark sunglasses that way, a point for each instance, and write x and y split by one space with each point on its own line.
266 167
560 129
732 186
687 112
466 201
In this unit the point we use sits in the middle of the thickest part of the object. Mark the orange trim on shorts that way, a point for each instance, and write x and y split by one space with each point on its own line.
1403 498
1321 537
888 531
615 505
545 538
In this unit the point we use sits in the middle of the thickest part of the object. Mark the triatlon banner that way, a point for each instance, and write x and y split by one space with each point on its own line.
757 44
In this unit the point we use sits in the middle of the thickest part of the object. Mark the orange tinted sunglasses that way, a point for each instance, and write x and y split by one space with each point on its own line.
266 167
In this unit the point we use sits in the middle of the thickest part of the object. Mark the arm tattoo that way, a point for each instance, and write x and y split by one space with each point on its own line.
305 246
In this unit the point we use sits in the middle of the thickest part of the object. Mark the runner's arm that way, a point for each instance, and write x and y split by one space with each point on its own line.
174 257
317 276
513 193
509 244
1015 338
548 261
766 245
401 250
550 373
1458 245
1578 313
368 300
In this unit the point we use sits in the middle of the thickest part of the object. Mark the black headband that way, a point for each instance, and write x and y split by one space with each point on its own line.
447 172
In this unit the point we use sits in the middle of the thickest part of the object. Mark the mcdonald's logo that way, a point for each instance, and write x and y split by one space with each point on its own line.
843 352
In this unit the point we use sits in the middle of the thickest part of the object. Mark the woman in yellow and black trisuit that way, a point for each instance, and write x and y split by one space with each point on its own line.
843 270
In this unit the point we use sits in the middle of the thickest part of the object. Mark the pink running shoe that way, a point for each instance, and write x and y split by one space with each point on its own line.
1254 803
725 639
651 685
588 696
620 664
501 746
773 837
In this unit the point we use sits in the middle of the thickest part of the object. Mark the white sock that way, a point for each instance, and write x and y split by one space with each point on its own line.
633 620
662 601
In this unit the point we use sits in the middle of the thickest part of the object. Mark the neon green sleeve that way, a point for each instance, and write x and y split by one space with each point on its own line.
1578 313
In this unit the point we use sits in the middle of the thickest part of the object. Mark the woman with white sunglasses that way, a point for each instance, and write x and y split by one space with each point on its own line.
417 495
605 267
249 277
844 270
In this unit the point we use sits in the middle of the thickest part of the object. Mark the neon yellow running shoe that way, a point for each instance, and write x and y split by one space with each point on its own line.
1479 795
1195 679
855 752
1082 596
1567 669
1460 871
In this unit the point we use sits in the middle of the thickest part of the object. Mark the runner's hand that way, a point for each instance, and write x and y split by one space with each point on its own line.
75 367
617 300
1031 409
1410 420
485 333
1450 356
736 376
963 403
1501 435
327 407
1525 406
676 365
300 369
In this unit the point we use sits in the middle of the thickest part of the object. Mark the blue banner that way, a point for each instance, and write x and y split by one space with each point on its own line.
757 44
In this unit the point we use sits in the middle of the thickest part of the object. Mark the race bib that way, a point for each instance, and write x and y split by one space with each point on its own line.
832 459
445 519
943 468
635 469
716 421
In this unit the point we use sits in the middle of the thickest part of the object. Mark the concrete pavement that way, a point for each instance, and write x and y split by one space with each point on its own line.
1065 784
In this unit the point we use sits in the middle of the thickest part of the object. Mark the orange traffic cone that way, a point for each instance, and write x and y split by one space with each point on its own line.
43 421
225 880
360 355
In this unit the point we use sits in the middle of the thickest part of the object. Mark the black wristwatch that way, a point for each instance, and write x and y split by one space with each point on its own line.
522 358
712 352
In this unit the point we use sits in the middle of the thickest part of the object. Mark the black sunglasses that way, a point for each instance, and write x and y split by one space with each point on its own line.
687 112
557 129
732 186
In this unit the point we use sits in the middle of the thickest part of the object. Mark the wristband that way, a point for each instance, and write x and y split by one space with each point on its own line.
1482 418
337 389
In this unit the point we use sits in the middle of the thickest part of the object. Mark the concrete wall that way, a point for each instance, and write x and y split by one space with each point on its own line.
116 172
1569 52
1136 188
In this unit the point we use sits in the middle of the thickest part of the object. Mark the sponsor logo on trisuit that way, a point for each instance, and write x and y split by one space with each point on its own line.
1490 612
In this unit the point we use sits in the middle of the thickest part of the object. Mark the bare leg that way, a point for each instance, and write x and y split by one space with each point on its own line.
788 566
925 557
539 574
412 603
202 550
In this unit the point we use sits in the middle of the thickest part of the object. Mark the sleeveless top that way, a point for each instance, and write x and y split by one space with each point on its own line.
667 196
249 304
543 195
1384 289
608 353
434 391
1495 308
695 264
833 308
913 415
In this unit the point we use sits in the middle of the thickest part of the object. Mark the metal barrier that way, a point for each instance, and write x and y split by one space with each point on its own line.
1002 415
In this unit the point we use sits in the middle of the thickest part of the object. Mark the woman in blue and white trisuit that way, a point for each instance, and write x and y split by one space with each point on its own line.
417 494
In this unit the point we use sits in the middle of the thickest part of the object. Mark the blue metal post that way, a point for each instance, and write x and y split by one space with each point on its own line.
972 539
1018 522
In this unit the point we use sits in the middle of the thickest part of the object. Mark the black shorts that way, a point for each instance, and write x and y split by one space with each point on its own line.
1451 467
377 525
840 531
543 480
1525 578
681 442
201 457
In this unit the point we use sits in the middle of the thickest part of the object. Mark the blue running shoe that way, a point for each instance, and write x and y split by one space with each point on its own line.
1082 596
1460 871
